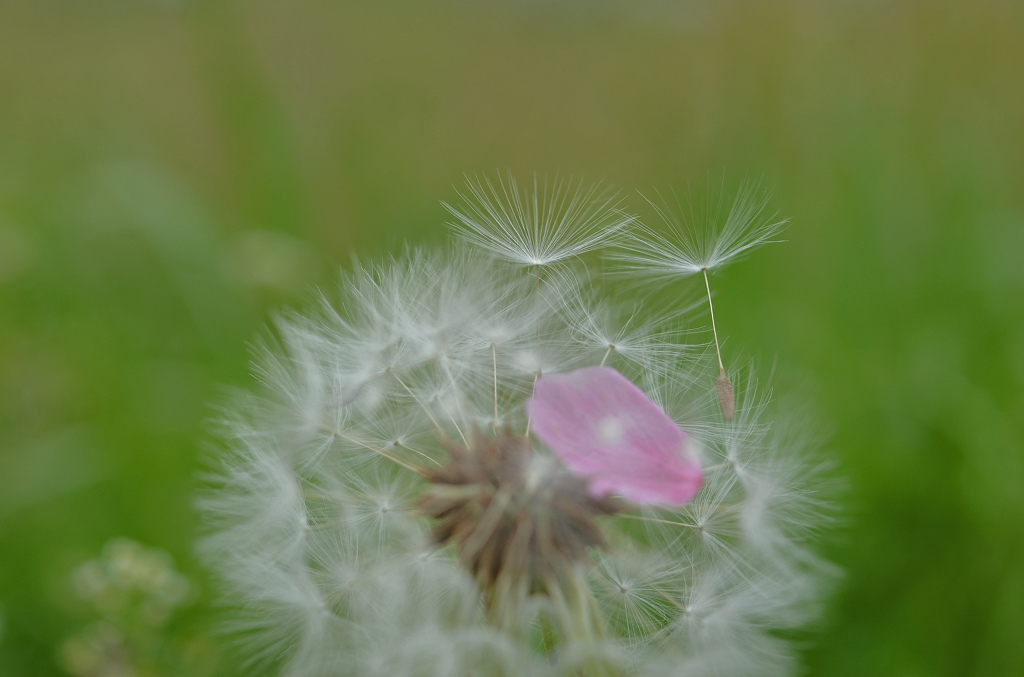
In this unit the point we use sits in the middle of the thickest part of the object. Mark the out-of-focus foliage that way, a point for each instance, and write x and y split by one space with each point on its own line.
170 173
133 592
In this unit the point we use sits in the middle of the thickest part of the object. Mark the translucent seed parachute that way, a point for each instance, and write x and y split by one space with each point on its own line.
478 461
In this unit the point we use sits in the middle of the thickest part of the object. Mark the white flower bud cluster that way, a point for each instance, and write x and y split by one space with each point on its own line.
134 590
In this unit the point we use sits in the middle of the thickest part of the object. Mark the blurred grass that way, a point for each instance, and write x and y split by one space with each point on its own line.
172 173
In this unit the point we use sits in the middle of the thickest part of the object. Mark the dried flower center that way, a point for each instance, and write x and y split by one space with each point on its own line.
518 521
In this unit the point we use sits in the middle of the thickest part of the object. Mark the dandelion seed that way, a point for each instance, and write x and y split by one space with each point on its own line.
699 243
463 468
726 393
701 240
538 227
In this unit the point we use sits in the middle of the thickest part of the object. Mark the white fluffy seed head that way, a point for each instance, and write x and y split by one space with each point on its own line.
312 519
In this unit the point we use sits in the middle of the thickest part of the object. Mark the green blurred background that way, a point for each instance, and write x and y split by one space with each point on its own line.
171 173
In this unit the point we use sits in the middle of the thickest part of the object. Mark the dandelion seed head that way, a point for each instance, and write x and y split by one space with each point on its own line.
478 461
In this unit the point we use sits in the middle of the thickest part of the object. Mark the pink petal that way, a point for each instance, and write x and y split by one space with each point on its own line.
606 429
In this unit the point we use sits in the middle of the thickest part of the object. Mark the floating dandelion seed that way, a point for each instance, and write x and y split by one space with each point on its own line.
460 470
540 227
701 242
698 241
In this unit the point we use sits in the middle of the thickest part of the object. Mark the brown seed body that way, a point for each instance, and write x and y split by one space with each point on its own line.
513 523
726 396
